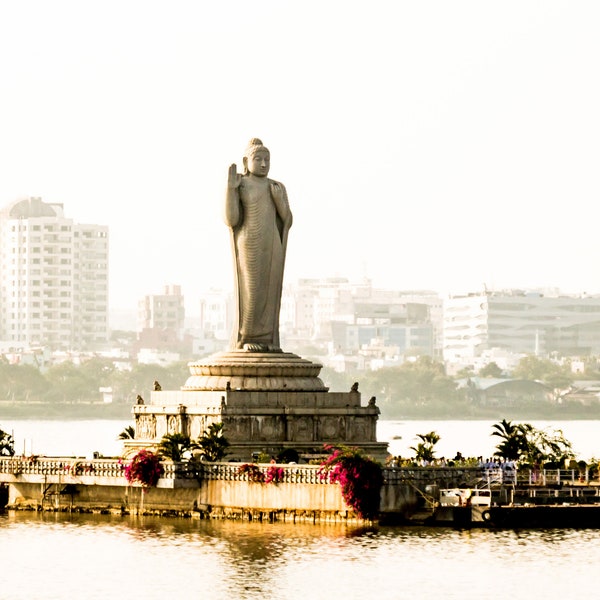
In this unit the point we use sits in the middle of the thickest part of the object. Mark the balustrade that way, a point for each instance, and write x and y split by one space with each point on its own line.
292 473
61 466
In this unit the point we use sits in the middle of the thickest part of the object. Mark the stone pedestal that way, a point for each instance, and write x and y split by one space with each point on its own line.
255 371
267 402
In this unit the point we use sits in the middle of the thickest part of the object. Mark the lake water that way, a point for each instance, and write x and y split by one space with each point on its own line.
59 556
471 438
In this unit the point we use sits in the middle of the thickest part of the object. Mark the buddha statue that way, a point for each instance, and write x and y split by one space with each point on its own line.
259 217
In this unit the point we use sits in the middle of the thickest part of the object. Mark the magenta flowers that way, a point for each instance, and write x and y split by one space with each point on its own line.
273 474
144 468
359 476
253 472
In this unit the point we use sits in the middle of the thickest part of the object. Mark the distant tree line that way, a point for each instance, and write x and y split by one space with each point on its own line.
69 383
422 389
415 389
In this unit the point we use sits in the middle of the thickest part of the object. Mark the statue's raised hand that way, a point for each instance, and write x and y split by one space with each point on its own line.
234 179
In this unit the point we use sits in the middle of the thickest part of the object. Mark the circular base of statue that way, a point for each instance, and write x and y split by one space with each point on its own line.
243 370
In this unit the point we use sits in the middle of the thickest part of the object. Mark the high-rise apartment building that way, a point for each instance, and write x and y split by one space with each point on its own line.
53 278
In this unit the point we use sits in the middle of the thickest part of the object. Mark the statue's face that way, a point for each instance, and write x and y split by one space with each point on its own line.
259 163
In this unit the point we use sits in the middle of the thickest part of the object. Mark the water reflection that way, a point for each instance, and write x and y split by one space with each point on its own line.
103 556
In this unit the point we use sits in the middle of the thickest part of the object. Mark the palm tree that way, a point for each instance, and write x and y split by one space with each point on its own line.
424 449
514 439
128 433
213 445
174 446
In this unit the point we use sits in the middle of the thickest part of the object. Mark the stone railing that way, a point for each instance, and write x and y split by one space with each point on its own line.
420 476
116 468
102 467
285 474
61 466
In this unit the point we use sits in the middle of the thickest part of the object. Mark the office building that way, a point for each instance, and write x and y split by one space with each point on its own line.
533 323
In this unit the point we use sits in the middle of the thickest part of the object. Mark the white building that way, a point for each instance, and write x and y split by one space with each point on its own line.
310 305
521 323
347 317
216 313
344 318
53 278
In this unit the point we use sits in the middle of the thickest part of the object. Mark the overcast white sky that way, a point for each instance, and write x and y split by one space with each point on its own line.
441 145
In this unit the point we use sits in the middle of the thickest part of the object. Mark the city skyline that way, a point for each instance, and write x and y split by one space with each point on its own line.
440 146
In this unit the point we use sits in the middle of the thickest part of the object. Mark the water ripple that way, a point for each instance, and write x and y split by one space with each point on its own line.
56 556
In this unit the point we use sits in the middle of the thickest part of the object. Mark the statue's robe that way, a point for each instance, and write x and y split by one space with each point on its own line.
259 246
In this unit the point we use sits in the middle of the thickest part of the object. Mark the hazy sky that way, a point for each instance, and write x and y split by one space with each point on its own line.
441 145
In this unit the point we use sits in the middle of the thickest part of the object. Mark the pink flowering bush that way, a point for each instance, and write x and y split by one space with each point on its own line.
359 476
253 471
144 468
274 474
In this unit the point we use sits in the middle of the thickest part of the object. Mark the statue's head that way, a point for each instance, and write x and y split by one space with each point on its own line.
256 158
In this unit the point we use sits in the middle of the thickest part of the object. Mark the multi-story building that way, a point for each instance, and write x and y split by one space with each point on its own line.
520 322
309 306
161 327
162 316
53 278
351 318
163 312
216 313
342 317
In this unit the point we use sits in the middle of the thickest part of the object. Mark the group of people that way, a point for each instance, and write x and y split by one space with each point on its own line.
458 461
496 463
